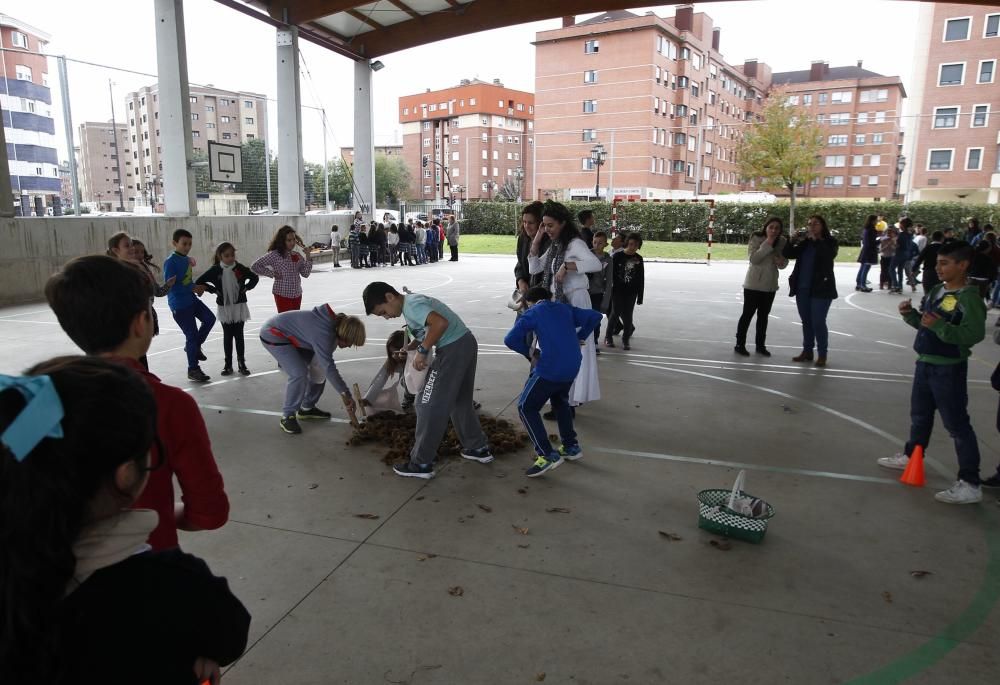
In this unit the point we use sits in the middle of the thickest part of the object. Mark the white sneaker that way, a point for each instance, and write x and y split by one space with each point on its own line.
896 462
960 493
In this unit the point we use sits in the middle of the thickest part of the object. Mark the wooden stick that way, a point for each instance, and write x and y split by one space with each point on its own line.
357 399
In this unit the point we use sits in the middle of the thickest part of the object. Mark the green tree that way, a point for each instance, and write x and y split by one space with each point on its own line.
392 179
782 150
254 183
202 184
508 191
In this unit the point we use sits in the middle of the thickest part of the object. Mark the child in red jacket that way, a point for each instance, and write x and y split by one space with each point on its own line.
104 306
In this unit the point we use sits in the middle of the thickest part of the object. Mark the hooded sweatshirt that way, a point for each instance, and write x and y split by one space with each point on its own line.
311 329
961 325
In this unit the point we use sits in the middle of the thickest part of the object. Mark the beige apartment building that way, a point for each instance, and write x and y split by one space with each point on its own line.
860 112
100 157
477 138
952 151
224 116
655 92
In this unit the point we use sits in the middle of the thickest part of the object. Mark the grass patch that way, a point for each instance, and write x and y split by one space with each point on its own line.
506 244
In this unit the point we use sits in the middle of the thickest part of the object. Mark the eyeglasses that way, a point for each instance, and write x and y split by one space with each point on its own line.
160 457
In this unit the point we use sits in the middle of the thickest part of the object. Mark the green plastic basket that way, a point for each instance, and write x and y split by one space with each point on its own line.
715 516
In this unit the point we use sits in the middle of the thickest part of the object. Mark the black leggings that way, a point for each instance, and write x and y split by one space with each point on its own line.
754 302
596 299
233 332
624 306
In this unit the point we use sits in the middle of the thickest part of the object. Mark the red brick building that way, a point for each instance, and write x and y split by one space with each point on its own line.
477 137
860 111
952 151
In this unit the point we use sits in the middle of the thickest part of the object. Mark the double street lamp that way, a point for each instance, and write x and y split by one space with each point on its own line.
597 156
900 165
519 175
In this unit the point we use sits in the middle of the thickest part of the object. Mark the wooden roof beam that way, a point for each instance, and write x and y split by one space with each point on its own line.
406 8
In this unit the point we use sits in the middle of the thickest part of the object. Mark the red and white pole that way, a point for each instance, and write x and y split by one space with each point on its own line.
614 218
711 228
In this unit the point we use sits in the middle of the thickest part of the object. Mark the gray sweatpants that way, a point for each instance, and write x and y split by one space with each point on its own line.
447 393
305 382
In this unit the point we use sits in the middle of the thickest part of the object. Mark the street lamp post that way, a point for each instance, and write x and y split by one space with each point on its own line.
900 166
597 155
519 175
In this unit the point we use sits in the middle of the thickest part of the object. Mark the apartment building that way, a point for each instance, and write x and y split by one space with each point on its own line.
477 138
224 116
953 151
656 93
102 159
27 118
347 153
860 112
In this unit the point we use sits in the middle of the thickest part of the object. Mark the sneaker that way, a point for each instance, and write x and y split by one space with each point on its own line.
196 374
763 351
201 356
542 465
571 453
227 371
897 462
290 425
314 413
991 482
244 371
609 342
482 455
410 470
742 350
960 493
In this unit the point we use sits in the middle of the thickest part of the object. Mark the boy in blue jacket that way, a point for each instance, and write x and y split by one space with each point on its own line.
560 330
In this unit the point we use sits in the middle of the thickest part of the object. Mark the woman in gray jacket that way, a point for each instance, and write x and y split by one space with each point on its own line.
761 283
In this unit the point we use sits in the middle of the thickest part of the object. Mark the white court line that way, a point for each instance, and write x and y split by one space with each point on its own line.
724 366
849 335
471 301
763 365
259 412
207 340
846 417
870 311
44 323
13 316
883 342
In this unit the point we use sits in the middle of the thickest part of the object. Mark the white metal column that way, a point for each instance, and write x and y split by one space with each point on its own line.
6 191
291 194
364 144
175 109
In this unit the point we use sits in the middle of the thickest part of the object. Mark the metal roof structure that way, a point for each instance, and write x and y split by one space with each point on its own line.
368 30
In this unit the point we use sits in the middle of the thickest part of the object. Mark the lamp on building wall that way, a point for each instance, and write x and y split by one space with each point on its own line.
900 165
597 156
377 65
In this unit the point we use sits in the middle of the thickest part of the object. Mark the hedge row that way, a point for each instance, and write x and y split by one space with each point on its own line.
735 221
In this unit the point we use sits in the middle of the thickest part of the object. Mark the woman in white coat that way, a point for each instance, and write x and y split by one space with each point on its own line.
564 267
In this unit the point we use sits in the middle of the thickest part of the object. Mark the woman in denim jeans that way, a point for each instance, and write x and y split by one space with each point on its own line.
813 285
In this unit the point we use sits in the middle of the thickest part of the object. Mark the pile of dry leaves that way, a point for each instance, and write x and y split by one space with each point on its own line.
396 432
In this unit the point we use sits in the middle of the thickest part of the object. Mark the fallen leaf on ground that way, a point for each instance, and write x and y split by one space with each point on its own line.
519 529
887 596
456 591
420 498
724 545
313 486
425 557
557 510
673 537
500 475
921 574
366 516
522 491
540 677
524 546
485 507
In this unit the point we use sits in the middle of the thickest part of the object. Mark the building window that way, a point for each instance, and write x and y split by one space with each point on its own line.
939 160
694 89
472 102
224 120
859 139
986 69
248 120
946 117
22 73
880 95
837 140
873 180
841 119
590 76
841 96
196 134
680 139
877 138
496 154
208 108
823 98
432 108
500 104
18 40
194 116
454 140
807 99
193 99
857 160
879 117
224 102
587 164
248 104
590 106
589 134
980 115
836 160
855 181
591 47
957 29
974 159
793 99
833 181
227 136
876 160
951 74
992 26
427 142
207 125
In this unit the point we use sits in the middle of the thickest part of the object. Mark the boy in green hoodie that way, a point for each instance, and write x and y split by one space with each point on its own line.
952 318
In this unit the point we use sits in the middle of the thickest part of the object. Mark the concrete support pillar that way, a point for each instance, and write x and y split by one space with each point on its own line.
291 195
364 142
6 191
175 109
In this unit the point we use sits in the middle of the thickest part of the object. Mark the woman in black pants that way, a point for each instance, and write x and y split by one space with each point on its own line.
761 283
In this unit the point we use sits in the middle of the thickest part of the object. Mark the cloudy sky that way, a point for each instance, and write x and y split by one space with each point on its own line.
230 50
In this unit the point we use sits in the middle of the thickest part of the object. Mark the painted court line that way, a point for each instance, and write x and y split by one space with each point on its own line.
883 342
870 311
753 467
259 412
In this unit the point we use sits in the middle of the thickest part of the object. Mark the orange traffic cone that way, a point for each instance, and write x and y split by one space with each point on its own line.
914 473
